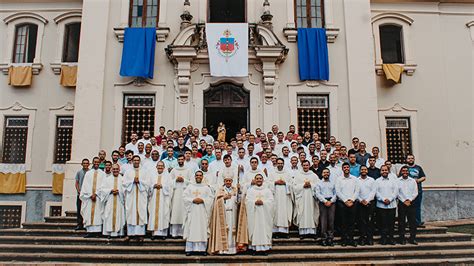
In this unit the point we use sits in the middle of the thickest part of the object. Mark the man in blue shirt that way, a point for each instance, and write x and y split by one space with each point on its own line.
416 172
354 166
325 192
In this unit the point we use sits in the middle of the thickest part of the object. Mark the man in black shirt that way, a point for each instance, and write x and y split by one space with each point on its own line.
373 171
323 162
416 172
181 148
315 167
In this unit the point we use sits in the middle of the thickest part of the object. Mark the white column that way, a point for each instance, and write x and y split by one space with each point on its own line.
89 93
361 74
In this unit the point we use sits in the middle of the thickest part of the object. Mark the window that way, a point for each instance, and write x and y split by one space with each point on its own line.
398 134
72 34
55 211
62 150
144 13
313 115
15 139
391 44
227 11
309 13
25 43
138 115
10 216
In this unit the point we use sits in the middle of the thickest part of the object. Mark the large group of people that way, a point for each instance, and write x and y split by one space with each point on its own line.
235 196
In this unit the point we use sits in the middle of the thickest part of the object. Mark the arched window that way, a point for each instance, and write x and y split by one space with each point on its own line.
391 44
72 34
25 43
227 11
144 13
309 13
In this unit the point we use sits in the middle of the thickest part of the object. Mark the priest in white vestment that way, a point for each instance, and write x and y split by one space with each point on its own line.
159 202
136 186
282 188
198 199
112 196
91 208
260 204
180 178
306 215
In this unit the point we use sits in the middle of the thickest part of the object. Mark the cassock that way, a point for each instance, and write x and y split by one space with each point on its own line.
259 218
136 199
283 199
246 180
223 225
114 205
197 216
177 204
159 202
306 215
91 211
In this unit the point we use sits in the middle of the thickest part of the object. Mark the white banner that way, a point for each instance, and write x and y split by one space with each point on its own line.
227 45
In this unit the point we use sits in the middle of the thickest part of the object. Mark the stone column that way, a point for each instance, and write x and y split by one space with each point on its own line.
361 72
89 93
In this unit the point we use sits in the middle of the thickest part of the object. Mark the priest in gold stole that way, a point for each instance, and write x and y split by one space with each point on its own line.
223 225
136 186
111 195
159 201
91 209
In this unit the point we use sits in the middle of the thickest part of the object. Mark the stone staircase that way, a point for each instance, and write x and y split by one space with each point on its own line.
56 241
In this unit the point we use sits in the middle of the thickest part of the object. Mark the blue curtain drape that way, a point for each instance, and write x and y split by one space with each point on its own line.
313 54
138 54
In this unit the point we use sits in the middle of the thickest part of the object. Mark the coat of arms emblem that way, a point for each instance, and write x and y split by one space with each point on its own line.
227 46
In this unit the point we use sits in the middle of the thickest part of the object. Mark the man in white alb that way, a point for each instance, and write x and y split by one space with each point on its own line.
91 208
159 201
180 178
306 215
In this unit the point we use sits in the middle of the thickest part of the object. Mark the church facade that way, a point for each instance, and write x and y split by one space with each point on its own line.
46 128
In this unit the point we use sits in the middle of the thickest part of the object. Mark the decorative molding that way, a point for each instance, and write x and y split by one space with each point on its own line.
161 33
291 34
258 67
27 15
394 15
194 66
138 82
17 106
313 84
67 15
470 25
397 108
69 106
36 67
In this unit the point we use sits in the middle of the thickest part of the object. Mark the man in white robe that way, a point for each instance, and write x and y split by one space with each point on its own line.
198 199
136 185
180 178
112 197
260 204
91 208
282 188
159 201
189 163
306 208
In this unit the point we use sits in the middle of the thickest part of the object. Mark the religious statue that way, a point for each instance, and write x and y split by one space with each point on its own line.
221 132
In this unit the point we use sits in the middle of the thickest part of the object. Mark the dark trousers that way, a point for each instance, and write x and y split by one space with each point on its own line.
386 222
365 220
347 220
78 215
406 213
326 218
417 203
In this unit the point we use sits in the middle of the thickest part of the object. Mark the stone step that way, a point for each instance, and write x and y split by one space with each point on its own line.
78 240
61 219
71 213
43 225
444 255
310 249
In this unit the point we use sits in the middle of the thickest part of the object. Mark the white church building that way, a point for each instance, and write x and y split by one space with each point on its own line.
49 122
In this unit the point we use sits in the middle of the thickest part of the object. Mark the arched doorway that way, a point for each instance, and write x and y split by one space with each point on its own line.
229 104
